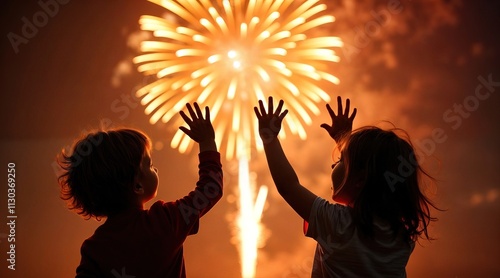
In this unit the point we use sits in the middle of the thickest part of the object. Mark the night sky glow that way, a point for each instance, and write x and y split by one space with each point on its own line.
430 67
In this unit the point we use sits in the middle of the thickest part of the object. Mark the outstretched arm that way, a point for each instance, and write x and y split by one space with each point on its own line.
341 122
285 178
208 189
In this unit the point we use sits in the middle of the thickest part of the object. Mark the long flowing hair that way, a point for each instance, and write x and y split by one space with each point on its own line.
384 166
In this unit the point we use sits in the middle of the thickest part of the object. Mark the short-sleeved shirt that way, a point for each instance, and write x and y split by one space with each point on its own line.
342 251
149 243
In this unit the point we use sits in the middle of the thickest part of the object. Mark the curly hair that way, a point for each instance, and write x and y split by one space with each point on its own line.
385 166
98 174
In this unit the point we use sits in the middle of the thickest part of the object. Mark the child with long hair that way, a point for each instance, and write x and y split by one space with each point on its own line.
110 174
379 211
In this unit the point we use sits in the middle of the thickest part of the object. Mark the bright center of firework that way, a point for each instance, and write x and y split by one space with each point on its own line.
228 55
232 54
225 48
234 58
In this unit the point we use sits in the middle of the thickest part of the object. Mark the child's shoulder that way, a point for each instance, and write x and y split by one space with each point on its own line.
324 209
326 204
162 207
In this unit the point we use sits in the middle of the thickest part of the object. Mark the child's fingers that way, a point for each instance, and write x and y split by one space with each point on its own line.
257 113
280 106
326 126
339 105
191 111
185 130
198 111
347 107
330 111
283 114
270 105
185 117
207 113
262 109
353 114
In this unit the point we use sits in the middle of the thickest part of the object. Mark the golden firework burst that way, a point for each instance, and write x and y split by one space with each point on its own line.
229 54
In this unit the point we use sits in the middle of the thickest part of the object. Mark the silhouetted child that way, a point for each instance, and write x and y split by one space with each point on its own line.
110 174
380 210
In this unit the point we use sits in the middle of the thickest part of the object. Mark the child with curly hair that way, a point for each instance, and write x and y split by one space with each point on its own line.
110 174
379 211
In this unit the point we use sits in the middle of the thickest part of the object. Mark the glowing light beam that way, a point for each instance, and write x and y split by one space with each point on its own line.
249 219
228 55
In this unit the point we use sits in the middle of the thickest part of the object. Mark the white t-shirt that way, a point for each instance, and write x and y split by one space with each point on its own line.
341 250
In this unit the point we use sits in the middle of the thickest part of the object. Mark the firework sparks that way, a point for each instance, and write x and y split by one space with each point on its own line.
227 55
248 220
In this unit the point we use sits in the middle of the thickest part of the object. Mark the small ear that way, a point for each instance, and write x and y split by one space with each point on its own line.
138 189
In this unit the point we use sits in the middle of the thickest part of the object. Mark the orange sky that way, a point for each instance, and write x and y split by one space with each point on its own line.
418 67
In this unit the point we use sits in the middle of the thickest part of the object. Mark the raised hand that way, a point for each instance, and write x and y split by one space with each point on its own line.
270 121
201 129
341 122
